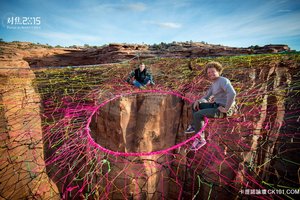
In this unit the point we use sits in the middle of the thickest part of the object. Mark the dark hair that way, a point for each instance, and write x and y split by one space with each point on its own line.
215 65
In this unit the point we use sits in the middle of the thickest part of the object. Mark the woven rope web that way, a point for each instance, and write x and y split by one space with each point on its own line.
253 151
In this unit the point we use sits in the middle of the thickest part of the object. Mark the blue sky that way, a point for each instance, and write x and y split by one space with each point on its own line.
238 23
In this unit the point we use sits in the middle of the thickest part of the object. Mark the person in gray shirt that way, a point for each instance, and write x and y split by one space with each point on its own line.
218 102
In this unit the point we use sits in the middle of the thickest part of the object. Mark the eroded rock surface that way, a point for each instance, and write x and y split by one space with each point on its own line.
261 144
22 166
143 122
45 56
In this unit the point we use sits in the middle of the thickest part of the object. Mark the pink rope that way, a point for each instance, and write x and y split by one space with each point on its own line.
116 153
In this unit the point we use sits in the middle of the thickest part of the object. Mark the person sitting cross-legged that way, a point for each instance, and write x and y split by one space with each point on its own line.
223 104
140 77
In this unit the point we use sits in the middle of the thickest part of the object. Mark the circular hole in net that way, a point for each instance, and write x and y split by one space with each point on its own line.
141 123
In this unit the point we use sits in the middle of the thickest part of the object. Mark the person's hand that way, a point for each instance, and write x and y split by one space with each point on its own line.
132 80
196 105
211 99
202 100
222 109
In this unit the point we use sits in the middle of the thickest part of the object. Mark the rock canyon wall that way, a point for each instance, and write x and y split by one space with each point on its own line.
48 150
22 167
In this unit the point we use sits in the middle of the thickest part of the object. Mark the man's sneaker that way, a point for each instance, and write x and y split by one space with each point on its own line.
190 129
197 144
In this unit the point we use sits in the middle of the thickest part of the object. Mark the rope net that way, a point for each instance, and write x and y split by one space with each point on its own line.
246 155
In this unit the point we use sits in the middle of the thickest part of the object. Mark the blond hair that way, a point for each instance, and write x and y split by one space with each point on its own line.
218 66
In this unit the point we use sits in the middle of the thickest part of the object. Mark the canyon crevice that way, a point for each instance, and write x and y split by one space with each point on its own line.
22 168
144 122
45 154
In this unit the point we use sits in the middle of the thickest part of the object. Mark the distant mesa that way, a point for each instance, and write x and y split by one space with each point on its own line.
37 55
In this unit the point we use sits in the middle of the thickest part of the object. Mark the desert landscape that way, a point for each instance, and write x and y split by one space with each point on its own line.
73 128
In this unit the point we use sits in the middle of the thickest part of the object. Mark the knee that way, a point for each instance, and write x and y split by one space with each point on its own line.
136 83
198 115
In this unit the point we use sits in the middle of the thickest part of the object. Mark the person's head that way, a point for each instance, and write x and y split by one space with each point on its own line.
142 67
213 70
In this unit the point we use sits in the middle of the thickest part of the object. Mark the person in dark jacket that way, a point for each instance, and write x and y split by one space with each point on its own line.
140 77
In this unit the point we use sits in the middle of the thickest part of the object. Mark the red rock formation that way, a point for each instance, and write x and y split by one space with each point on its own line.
41 56
22 167
144 122
236 150
138 123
